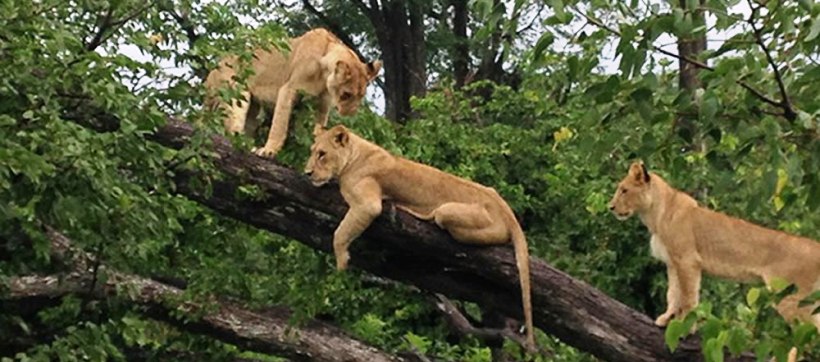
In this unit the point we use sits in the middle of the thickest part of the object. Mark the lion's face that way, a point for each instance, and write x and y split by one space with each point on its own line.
347 84
328 155
632 194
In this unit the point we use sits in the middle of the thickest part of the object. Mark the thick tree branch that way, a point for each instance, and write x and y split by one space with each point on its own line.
760 95
403 248
266 332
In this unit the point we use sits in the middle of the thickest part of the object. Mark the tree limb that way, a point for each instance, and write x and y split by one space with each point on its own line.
200 66
403 248
104 22
266 332
785 103
461 325
400 247
107 26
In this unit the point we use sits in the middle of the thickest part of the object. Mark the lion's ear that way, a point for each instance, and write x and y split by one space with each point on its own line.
342 69
639 172
341 137
373 69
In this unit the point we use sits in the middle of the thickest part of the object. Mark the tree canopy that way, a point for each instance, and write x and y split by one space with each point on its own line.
546 101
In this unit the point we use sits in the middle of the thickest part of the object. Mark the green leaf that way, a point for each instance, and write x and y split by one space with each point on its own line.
815 29
804 333
543 42
810 299
675 330
752 296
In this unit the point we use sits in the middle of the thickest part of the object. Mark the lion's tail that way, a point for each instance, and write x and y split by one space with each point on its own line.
522 259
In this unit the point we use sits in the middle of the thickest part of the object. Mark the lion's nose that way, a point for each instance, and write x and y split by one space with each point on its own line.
308 172
611 207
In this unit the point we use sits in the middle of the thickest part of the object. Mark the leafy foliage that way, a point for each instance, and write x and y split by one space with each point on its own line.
553 146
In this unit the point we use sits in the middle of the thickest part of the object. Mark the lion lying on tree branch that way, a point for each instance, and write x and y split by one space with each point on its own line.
368 174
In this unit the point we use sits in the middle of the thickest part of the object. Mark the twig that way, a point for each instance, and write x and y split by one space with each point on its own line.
104 22
785 103
200 67
107 28
760 95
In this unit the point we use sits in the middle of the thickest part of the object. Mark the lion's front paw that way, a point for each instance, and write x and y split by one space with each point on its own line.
341 261
266 152
663 319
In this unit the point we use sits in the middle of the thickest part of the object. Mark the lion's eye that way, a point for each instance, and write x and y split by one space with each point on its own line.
623 191
345 96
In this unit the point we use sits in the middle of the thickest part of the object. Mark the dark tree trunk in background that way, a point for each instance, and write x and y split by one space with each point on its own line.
400 34
492 56
461 50
691 47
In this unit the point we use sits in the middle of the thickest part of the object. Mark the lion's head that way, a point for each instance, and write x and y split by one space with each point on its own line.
348 82
632 194
329 154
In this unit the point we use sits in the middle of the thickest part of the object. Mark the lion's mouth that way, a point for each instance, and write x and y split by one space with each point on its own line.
622 215
318 183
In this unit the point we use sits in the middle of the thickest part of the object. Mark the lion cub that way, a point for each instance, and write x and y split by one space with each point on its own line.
368 174
690 239
319 64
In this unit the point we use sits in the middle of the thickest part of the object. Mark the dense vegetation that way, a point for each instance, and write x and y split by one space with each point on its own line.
523 104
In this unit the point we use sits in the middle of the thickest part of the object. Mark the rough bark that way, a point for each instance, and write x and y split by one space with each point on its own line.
400 247
267 332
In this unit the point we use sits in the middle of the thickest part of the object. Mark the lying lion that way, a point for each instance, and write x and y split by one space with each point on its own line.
368 174
690 239
319 64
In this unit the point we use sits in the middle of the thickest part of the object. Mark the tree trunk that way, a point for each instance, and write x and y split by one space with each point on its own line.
266 332
401 247
399 29
690 47
461 50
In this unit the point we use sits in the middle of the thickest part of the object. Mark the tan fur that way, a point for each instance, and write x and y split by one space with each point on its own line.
319 64
691 239
368 174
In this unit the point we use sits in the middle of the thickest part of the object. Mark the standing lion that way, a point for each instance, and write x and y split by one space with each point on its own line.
319 64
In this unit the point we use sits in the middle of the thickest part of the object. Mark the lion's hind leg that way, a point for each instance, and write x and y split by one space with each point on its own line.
470 223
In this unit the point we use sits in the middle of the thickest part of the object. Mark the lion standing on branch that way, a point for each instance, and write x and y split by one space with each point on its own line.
319 64
691 239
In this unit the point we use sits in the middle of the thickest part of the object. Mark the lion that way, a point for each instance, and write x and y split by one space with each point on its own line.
691 239
319 64
368 174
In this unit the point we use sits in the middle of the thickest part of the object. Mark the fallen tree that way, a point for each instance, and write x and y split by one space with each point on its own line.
267 332
401 247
